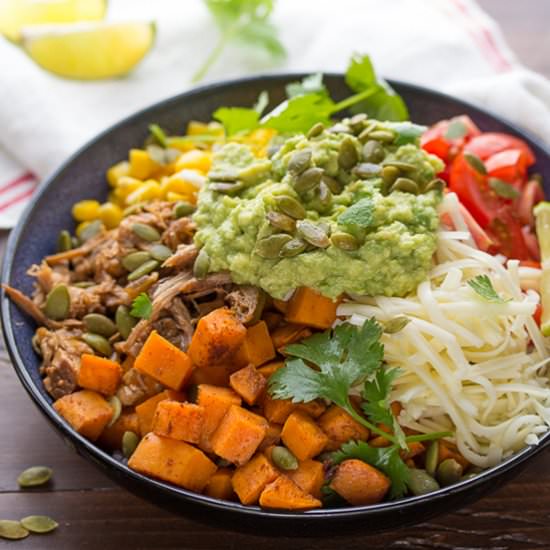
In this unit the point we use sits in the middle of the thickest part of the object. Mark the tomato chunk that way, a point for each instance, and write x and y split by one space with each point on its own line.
490 143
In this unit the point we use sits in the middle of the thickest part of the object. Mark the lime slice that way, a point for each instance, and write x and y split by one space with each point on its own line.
15 14
89 51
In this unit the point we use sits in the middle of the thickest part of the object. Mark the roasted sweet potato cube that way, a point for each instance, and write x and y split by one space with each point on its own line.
272 436
217 375
248 383
250 479
163 361
219 485
86 411
359 483
257 347
111 437
303 436
309 476
308 307
289 334
239 435
99 374
341 427
448 450
217 337
280 305
284 494
312 408
277 410
415 448
216 402
273 320
173 461
177 420
267 370
146 410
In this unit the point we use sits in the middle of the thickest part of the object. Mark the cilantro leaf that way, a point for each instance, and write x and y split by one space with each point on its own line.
360 214
456 130
142 307
261 103
407 132
483 287
386 459
311 84
503 189
241 119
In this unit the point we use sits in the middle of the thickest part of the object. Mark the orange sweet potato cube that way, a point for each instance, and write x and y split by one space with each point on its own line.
164 362
111 437
99 374
219 485
277 410
341 427
172 461
289 334
86 411
248 383
250 479
284 494
216 375
272 436
146 410
257 347
239 435
302 436
312 408
177 420
270 368
309 476
308 307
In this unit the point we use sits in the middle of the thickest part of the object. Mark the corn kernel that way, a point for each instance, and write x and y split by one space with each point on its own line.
195 128
86 210
125 186
110 214
147 191
195 159
80 227
117 171
175 197
178 183
142 166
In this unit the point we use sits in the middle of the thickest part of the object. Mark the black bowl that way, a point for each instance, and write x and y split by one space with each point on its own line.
83 176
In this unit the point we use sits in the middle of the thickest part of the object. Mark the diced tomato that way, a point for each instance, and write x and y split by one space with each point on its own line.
482 240
531 243
490 143
509 165
531 195
509 238
530 263
537 316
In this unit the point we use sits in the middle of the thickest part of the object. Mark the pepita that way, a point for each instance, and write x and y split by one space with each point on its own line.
340 128
90 231
385 136
84 284
400 165
35 476
228 175
283 458
160 252
116 405
143 269
145 232
292 248
130 441
312 234
357 122
365 133
315 130
290 206
308 180
449 472
421 483
325 196
390 174
201 265
299 162
64 241
476 163
39 524
226 187
182 209
124 321
396 324
333 184
135 259
156 154
270 247
58 303
99 324
344 241
347 156
281 221
133 209
373 151
432 458
98 343
435 185
12 530
406 185
367 170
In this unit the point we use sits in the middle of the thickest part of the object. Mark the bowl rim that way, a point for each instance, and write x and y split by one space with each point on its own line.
106 460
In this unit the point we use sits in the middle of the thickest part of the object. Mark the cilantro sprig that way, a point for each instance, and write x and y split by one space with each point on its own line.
484 288
142 307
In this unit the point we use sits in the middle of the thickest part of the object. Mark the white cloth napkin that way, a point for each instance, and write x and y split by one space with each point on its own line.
450 45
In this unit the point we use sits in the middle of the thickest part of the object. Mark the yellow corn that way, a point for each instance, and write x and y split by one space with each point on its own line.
147 191
110 214
195 128
259 140
175 197
178 184
117 171
80 227
142 166
125 186
86 210
195 160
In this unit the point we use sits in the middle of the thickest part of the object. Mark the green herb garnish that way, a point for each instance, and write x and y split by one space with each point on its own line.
456 130
483 287
360 214
311 84
158 135
142 307
503 189
241 119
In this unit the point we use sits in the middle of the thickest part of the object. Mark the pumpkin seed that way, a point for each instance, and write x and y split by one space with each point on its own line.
283 458
373 151
325 196
273 149
299 162
39 524
116 405
156 154
344 241
130 441
143 269
227 175
135 259
98 343
369 128
406 185
308 180
160 252
357 122
449 472
400 165
182 209
367 170
226 187
99 324
315 130
432 458
435 185
333 184
313 234
347 156
269 247
476 163
292 248
64 241
201 265
421 483
91 230
124 321
340 128
84 284
133 209
385 136
390 174
58 303
34 476
145 232
290 206
396 324
12 530
281 221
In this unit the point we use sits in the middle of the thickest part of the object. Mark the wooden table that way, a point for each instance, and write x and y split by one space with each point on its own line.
95 513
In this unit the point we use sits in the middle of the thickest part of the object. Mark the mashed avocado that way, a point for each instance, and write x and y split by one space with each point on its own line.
347 187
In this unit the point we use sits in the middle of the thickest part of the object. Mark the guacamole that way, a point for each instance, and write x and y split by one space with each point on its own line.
333 211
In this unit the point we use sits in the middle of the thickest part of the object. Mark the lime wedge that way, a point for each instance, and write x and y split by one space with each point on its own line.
15 14
89 51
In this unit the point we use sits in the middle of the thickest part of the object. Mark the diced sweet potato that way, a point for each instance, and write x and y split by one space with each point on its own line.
267 370
312 408
257 347
302 436
163 361
99 374
146 410
177 420
415 448
86 411
217 375
217 337
219 485
448 450
272 436
359 483
309 476
277 410
379 441
341 427
273 320
111 437
239 435
248 383
289 334
308 307
284 494
216 402
173 461
250 479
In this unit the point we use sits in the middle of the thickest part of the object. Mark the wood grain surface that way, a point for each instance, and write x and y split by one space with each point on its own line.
93 513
